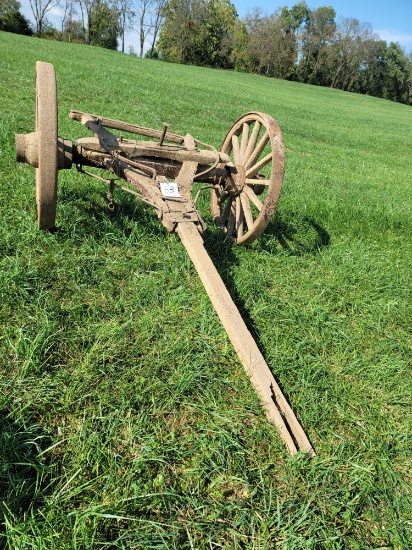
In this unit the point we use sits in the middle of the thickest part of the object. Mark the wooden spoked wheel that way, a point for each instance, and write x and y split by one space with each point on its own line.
46 134
243 206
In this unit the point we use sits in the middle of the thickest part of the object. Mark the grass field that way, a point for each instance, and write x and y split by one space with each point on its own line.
126 420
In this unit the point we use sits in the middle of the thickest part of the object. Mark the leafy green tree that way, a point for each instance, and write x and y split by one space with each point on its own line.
67 20
222 17
73 31
410 78
179 27
294 17
292 21
372 73
318 34
271 51
350 53
100 20
397 74
238 39
11 19
194 31
103 25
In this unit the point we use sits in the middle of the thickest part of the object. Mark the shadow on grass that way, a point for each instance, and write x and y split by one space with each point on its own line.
24 474
223 258
93 217
295 234
290 232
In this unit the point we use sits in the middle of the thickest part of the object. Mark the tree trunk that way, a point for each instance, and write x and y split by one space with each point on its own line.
122 32
156 30
141 39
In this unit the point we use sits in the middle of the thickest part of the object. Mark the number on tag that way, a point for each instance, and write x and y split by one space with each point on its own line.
169 189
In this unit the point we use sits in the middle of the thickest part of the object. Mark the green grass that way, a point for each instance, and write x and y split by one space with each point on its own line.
126 420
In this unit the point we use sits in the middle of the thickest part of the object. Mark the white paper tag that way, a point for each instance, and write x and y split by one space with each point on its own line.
169 189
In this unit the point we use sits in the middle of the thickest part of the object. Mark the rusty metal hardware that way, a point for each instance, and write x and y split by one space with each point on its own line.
162 137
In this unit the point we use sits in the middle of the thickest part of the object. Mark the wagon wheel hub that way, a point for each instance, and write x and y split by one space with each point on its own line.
236 181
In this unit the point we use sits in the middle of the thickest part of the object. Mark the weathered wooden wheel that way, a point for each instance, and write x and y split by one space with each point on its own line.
46 136
243 206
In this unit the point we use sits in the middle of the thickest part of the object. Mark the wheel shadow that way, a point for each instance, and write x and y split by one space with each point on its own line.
295 234
290 233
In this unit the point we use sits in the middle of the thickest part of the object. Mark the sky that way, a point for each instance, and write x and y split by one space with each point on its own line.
392 21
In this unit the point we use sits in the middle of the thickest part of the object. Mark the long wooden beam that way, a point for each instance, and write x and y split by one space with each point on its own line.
276 406
130 128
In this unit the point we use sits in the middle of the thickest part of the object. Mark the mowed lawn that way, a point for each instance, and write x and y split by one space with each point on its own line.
126 419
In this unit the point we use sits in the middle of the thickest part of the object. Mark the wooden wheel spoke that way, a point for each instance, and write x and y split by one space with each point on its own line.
247 211
236 149
239 217
250 181
232 221
250 172
253 197
226 211
257 151
253 140
244 141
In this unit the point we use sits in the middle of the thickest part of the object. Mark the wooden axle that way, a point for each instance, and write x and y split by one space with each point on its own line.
135 149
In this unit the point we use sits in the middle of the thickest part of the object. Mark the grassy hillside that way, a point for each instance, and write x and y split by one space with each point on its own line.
126 420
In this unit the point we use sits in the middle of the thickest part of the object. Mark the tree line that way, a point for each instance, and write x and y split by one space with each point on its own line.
301 44
297 43
95 22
